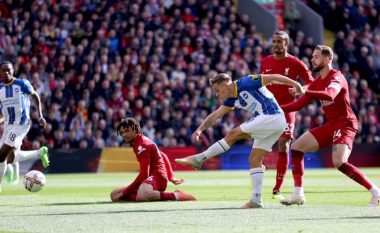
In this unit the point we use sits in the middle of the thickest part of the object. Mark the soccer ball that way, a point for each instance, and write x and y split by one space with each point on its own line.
34 181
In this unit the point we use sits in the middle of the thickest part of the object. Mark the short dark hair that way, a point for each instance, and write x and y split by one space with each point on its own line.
325 50
220 78
283 34
127 123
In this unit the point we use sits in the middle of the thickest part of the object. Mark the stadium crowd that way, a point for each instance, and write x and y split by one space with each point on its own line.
95 62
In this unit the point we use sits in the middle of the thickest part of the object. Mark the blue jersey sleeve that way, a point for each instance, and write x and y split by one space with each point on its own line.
252 82
229 103
26 87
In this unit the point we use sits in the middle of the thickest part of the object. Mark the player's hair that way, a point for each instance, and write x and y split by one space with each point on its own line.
127 123
5 63
220 78
325 50
283 34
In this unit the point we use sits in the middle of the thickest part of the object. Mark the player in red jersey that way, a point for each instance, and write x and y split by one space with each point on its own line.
331 88
285 64
155 169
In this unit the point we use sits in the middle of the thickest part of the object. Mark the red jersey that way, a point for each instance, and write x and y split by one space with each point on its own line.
290 67
153 162
332 91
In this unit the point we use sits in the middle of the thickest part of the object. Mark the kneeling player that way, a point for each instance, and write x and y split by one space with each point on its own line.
155 169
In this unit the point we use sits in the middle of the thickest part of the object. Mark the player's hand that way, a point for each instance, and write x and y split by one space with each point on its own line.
300 89
177 181
117 194
293 91
42 122
197 134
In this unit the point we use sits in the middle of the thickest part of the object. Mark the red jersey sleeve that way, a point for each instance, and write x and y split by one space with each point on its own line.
144 161
296 105
168 167
330 93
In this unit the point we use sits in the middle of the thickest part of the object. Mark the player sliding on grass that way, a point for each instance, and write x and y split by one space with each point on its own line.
248 93
15 108
155 169
332 90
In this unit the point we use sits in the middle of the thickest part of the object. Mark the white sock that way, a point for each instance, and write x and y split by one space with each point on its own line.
257 176
375 191
299 191
3 169
10 168
217 148
22 155
16 167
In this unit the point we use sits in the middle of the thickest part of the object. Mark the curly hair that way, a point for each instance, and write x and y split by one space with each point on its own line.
129 123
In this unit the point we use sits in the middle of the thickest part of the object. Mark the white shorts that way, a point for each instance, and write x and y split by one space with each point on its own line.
265 130
14 134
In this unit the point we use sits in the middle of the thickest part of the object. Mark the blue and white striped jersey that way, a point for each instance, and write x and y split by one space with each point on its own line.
253 97
15 102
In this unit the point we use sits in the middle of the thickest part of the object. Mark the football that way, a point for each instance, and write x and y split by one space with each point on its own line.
34 181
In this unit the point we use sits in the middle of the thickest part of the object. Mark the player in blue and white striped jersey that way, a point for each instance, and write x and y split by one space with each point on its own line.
266 125
15 108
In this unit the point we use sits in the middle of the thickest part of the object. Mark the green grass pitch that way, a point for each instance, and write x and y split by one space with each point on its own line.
80 203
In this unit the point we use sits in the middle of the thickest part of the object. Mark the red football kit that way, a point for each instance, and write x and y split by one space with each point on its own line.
292 68
332 91
155 168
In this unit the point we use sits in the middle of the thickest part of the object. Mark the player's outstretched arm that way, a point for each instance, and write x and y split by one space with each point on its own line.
296 105
210 120
277 78
169 170
37 101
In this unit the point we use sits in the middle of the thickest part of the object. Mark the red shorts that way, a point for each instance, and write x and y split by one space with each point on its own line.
337 132
158 183
290 121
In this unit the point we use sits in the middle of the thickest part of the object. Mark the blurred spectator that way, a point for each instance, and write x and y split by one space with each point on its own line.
94 63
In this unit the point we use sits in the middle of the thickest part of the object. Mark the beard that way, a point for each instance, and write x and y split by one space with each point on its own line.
318 68
278 51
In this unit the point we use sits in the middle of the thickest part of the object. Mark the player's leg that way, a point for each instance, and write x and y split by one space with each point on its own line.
340 155
217 148
283 146
153 189
4 151
306 143
265 132
257 176
10 173
42 154
123 194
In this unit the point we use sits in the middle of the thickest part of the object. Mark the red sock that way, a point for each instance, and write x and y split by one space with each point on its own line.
164 196
297 167
355 174
282 167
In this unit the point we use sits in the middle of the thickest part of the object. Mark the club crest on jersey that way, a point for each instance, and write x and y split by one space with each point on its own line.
140 149
286 71
254 77
16 90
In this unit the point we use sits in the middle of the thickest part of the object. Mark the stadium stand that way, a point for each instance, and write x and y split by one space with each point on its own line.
95 62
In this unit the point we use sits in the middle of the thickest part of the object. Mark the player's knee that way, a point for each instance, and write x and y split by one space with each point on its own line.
337 163
298 147
145 196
